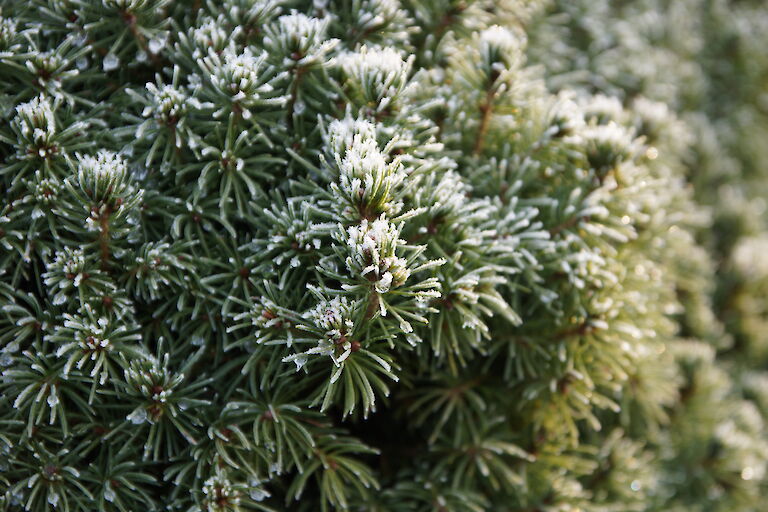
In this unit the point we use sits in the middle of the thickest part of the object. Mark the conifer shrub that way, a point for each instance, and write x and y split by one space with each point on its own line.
382 255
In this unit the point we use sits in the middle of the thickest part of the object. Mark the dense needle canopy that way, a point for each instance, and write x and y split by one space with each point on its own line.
382 255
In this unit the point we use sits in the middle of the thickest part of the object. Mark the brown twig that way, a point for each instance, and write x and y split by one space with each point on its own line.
487 112
104 238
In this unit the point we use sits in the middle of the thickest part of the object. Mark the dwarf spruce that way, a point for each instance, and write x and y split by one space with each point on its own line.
383 255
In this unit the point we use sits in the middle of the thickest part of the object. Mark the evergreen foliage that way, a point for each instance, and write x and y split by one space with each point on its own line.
382 255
